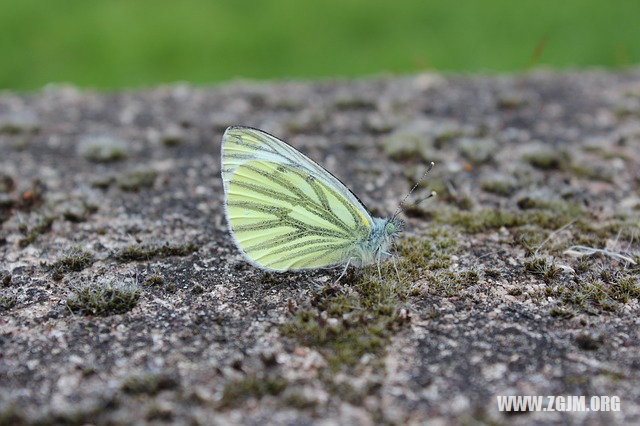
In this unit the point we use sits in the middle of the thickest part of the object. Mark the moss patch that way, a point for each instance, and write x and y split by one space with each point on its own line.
103 299
7 301
137 180
503 188
149 384
432 251
6 280
482 220
345 323
73 261
141 252
542 267
345 326
31 234
253 386
547 158
589 342
103 149
154 280
590 294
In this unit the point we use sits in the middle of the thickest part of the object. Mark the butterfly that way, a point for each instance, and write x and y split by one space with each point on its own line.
285 212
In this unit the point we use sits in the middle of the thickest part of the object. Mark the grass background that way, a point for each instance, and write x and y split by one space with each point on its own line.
132 43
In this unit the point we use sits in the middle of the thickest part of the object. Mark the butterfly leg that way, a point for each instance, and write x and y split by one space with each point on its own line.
344 271
395 267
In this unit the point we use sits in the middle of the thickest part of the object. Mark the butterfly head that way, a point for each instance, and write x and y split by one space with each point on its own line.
393 227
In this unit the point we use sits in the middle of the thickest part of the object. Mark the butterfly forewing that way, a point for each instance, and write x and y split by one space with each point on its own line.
284 211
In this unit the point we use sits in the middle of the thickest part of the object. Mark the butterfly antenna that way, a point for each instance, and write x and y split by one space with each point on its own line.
433 193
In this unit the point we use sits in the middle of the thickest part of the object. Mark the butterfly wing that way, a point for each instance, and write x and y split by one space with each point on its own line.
285 211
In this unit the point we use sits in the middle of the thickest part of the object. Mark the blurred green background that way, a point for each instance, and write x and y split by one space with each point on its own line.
132 43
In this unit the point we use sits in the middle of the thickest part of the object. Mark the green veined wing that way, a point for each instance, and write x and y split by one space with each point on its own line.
242 144
282 217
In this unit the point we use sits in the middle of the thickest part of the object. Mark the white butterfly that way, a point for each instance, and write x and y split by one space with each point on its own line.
285 212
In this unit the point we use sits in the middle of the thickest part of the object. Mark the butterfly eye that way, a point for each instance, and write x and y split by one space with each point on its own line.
390 228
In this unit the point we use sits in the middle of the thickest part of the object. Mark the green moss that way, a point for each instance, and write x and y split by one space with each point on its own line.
431 251
589 293
477 151
154 280
502 187
159 413
451 284
141 252
9 415
625 228
557 206
572 380
583 265
268 280
480 220
7 184
492 273
7 301
442 137
74 261
542 267
547 159
172 138
606 154
103 182
137 180
530 238
487 219
511 100
149 384
31 235
345 391
298 401
587 171
353 102
409 147
103 299
624 287
418 212
6 280
589 342
77 211
103 149
253 386
561 313
18 122
515 291
344 324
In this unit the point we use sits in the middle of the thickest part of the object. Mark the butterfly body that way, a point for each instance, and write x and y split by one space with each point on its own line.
378 242
285 212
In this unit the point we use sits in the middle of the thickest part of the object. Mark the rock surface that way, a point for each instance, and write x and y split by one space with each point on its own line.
124 300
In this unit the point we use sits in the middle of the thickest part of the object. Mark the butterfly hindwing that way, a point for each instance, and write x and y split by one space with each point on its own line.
284 214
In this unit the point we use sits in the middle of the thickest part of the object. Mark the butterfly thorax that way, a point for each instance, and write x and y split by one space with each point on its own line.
376 245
